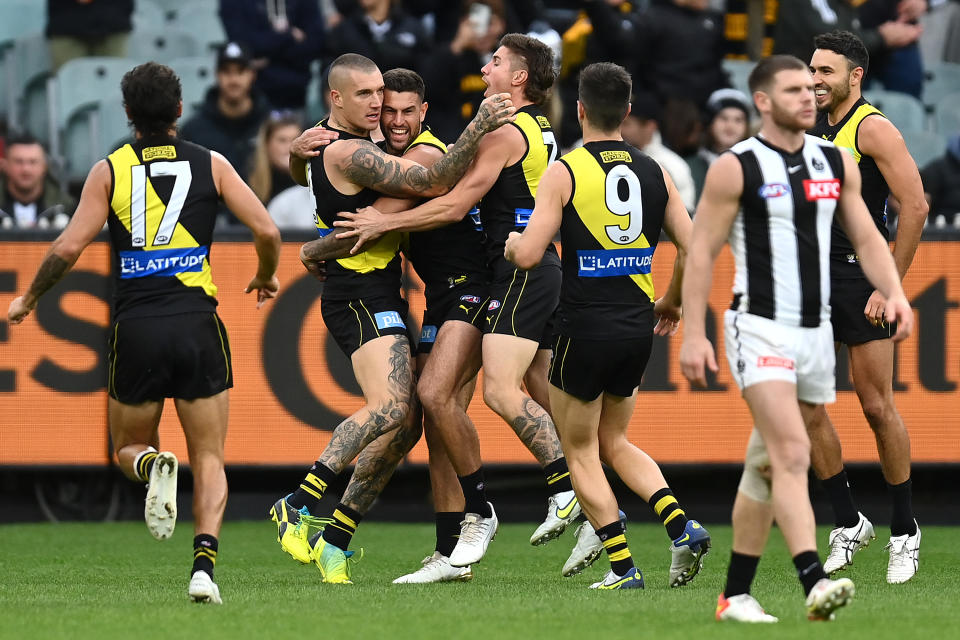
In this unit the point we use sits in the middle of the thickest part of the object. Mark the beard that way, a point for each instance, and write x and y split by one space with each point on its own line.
789 120
836 96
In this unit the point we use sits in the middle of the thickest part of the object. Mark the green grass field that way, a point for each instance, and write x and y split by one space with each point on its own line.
104 580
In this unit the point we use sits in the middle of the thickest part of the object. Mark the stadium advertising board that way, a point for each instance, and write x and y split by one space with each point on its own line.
293 385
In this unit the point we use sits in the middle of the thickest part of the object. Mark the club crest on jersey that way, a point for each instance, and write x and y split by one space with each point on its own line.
773 190
471 299
817 165
494 304
822 189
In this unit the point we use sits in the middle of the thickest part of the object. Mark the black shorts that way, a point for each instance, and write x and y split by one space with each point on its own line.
465 302
186 356
586 368
522 303
353 323
848 299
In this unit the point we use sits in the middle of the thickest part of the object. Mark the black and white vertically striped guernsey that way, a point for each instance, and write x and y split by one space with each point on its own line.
781 236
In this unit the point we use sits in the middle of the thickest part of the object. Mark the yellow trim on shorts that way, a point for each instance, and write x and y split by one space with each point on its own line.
564 359
113 364
513 315
504 301
372 321
223 348
359 324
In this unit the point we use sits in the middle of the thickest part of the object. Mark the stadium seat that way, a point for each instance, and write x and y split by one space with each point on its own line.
161 45
739 71
20 18
315 110
942 78
28 65
904 111
147 15
924 146
947 114
197 74
202 21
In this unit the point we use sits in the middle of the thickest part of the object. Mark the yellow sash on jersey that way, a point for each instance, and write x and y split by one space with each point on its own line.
535 162
846 138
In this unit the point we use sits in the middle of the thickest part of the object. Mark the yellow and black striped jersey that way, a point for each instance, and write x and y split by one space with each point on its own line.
376 269
508 204
163 207
609 233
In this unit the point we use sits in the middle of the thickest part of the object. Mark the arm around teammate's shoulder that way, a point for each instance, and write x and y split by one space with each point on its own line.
526 249
244 204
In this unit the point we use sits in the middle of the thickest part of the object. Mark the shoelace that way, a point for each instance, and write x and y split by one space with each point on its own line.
473 532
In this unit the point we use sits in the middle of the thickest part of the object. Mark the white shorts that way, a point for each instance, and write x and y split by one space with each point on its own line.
761 350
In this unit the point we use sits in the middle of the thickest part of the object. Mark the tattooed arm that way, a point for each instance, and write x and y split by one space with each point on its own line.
366 165
84 226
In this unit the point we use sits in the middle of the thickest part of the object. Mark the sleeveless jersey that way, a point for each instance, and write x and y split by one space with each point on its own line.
781 236
609 233
163 207
508 204
844 261
376 270
450 251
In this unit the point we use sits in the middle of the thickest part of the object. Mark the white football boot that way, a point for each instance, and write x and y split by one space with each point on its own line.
904 557
846 541
562 509
203 589
436 568
475 536
160 507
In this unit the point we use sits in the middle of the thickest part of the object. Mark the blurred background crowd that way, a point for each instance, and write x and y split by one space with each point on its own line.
253 77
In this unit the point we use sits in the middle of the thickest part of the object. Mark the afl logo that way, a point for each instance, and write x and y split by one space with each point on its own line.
494 304
471 299
773 190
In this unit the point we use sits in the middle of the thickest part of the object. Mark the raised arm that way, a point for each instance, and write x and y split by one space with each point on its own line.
715 216
526 249
875 258
241 200
86 223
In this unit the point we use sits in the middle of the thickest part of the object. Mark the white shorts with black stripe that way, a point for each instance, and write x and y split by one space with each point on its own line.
761 350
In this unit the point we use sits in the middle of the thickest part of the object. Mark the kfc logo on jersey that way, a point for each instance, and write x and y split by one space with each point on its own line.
822 189
773 190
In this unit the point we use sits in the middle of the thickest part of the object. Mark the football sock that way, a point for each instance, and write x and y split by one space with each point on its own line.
740 574
143 463
344 525
558 476
475 494
665 505
448 531
615 542
902 522
312 488
809 569
838 490
204 554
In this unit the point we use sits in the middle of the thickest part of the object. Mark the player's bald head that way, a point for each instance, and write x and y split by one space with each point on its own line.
341 69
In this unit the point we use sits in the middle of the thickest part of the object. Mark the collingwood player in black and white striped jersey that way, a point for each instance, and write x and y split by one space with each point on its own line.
774 199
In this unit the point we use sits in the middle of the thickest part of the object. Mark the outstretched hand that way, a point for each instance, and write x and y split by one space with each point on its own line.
366 225
494 112
668 317
307 145
19 310
265 288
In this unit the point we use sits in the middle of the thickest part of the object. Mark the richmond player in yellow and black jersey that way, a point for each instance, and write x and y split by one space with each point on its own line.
609 201
159 196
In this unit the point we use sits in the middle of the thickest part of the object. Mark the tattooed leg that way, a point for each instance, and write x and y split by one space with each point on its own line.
505 361
383 369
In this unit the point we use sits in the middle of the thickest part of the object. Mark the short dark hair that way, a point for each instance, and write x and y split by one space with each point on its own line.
353 62
152 95
605 94
847 44
537 59
23 138
762 74
404 81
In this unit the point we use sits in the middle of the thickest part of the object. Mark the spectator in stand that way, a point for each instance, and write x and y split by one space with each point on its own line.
798 21
382 31
901 68
640 128
270 173
78 28
29 198
941 186
284 37
727 123
451 71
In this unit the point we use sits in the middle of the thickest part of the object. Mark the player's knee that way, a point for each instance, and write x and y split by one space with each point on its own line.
792 457
609 446
878 411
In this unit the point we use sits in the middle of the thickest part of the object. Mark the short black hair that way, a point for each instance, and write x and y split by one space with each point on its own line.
605 94
762 74
24 138
537 59
351 62
152 95
847 44
404 81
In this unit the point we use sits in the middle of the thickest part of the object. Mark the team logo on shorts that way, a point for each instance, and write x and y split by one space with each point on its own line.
470 299
773 190
494 304
775 361
741 366
389 320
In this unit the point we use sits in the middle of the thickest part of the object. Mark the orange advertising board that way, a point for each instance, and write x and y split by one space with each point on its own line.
292 384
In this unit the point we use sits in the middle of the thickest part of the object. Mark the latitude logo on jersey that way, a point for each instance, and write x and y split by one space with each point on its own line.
388 319
773 190
822 189
603 263
161 262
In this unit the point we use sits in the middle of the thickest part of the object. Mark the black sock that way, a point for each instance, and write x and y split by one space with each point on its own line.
902 522
143 464
448 531
844 511
558 476
615 542
475 494
204 554
340 532
740 574
312 488
809 569
665 505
